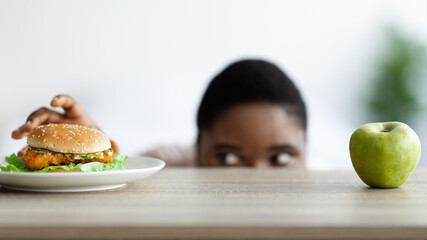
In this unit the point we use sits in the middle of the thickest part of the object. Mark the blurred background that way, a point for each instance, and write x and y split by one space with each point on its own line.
139 68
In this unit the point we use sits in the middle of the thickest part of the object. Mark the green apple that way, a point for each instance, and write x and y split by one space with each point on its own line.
384 154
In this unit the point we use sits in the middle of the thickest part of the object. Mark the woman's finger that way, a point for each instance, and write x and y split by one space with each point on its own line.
38 117
72 108
115 146
43 116
21 153
22 131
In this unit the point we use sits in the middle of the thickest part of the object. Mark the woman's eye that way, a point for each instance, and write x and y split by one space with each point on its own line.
282 159
229 159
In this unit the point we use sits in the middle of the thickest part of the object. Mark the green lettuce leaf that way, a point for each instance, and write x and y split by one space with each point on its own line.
15 164
18 165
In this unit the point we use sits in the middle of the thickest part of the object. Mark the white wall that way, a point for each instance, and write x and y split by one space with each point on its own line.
139 68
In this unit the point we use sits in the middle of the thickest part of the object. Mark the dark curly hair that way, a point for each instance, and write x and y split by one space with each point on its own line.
250 81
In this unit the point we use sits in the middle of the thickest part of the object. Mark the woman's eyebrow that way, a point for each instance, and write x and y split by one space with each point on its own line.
223 146
281 147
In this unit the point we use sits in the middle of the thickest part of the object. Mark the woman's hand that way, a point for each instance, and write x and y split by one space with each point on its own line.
73 114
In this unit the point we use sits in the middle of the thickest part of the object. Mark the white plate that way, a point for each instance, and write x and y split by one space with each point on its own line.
136 168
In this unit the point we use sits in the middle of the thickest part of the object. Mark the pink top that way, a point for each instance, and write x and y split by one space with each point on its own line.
175 155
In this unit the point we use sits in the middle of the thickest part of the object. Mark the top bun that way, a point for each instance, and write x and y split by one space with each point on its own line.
68 138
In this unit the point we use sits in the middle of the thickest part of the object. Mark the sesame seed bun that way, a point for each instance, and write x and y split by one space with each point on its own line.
68 138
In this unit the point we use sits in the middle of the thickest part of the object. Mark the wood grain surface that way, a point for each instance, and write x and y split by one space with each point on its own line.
217 203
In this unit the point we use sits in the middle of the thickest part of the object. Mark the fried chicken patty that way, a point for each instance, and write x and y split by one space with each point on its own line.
36 159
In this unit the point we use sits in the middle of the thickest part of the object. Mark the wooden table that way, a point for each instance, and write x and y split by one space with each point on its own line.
238 203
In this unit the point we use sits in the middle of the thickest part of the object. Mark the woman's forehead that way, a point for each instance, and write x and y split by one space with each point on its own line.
256 122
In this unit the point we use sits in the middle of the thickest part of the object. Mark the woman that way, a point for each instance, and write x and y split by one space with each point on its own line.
251 115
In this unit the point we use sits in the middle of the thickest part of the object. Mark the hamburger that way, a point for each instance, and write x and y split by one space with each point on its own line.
68 147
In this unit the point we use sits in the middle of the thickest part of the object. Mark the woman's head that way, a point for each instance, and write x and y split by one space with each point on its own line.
251 115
